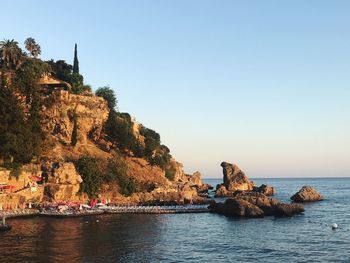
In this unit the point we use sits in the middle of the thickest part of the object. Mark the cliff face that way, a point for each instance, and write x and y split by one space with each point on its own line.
62 182
65 114
90 113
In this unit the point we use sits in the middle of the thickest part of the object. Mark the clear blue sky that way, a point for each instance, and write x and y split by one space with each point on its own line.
265 84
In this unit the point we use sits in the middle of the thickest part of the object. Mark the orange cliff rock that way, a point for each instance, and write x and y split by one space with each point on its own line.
62 181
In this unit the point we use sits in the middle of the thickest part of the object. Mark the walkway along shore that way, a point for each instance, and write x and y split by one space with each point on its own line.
107 210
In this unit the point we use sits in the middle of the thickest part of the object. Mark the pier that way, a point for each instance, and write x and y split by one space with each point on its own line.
115 209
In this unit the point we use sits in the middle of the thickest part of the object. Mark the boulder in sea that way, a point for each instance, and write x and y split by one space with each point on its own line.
288 209
221 191
307 194
235 207
264 202
235 179
244 204
265 189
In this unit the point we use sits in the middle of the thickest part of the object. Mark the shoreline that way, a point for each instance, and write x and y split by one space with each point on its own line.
107 210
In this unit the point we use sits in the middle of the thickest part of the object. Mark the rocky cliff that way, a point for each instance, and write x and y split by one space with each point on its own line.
63 108
235 180
65 115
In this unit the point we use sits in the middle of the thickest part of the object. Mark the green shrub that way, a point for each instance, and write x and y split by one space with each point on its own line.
152 140
170 173
91 173
108 94
156 153
117 168
95 172
119 129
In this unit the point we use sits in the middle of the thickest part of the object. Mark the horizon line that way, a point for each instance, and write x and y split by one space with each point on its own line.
316 177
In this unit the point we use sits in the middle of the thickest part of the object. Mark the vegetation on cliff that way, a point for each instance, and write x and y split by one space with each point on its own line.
23 139
119 128
95 172
20 129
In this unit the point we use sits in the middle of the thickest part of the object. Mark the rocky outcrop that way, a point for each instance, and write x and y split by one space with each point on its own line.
288 209
245 204
196 179
235 179
264 202
4 176
237 208
172 194
63 183
63 107
307 194
221 191
265 189
57 180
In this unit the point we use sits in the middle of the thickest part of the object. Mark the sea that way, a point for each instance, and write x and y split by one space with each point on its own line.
202 237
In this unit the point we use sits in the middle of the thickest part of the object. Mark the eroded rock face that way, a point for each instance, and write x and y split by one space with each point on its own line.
90 112
171 194
288 209
262 201
196 179
221 191
235 179
63 182
4 176
65 173
237 208
265 189
254 204
307 194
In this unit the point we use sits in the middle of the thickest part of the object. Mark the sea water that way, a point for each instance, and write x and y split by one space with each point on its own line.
201 237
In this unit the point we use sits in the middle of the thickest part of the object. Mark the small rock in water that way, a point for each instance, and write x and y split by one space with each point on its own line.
86 222
97 221
334 226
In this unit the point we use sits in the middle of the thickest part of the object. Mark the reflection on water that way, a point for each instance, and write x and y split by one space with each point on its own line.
191 237
79 239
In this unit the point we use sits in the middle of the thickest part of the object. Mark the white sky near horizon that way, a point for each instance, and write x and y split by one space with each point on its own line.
264 84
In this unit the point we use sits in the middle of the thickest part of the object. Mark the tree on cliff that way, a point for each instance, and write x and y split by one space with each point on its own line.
18 140
33 47
11 54
61 69
64 71
108 94
76 61
74 138
21 134
92 175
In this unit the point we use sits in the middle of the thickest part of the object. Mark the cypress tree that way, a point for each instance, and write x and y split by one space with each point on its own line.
74 138
76 61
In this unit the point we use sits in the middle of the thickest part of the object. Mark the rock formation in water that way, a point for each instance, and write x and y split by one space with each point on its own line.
265 189
254 204
236 180
307 194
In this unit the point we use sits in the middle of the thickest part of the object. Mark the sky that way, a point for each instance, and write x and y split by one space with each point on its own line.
263 84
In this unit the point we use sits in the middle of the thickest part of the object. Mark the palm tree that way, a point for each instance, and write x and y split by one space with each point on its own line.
10 54
33 48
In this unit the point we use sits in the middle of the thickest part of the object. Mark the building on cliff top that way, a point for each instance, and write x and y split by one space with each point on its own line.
53 83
